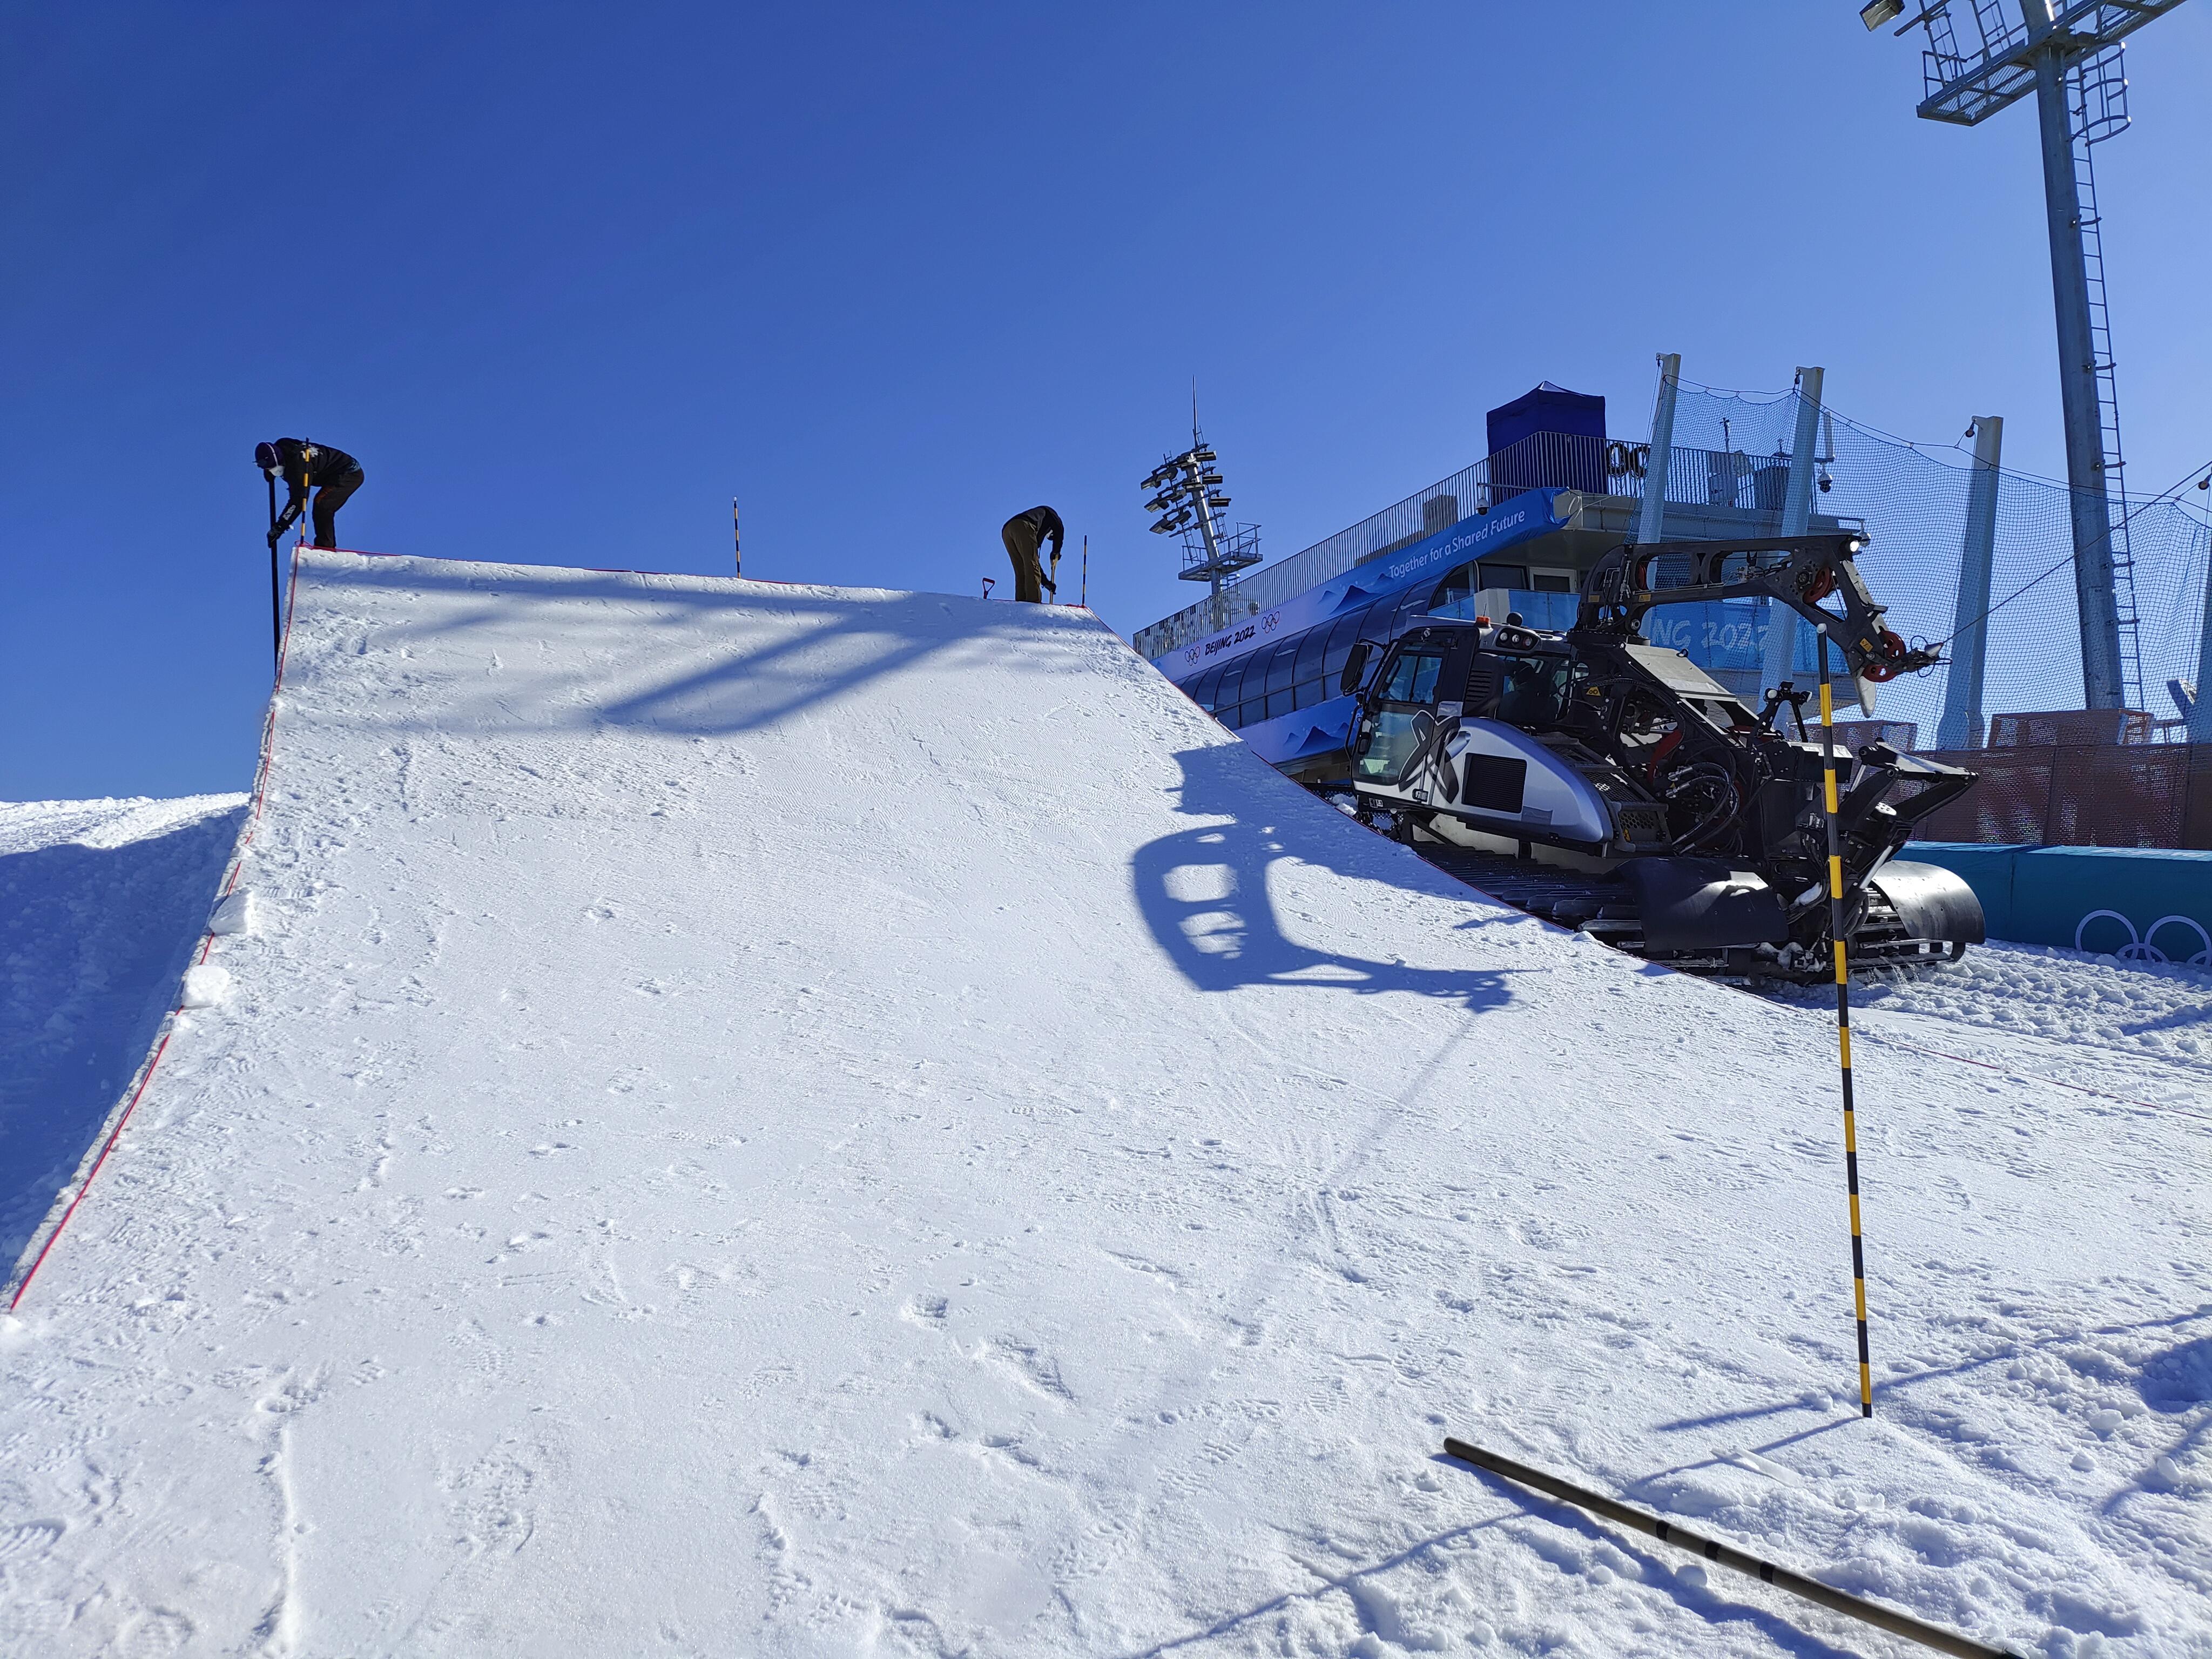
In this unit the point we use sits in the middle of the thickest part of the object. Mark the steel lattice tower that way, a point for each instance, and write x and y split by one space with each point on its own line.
2067 52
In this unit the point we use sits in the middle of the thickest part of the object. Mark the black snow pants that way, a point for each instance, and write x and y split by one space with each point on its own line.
328 500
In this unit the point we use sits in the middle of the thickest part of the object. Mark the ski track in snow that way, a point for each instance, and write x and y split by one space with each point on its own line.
790 1121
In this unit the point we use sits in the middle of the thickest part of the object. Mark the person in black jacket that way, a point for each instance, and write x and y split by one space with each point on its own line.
302 462
1022 534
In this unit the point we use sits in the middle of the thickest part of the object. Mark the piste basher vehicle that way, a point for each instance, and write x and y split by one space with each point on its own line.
1612 786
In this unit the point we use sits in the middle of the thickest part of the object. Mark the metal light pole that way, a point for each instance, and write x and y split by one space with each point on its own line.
2067 52
1657 462
1185 497
1961 724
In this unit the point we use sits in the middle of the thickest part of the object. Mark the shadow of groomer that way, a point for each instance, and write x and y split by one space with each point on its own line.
1203 890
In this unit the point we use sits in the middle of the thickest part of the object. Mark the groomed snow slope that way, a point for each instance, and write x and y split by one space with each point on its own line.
789 1121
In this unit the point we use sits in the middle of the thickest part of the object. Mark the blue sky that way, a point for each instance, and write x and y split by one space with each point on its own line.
567 278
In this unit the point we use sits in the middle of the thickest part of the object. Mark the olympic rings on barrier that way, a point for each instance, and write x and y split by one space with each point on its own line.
2141 949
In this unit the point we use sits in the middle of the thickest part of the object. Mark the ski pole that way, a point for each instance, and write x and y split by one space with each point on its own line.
1843 1602
1837 931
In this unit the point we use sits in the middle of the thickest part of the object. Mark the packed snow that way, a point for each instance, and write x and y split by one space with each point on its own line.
102 903
791 1120
2132 1031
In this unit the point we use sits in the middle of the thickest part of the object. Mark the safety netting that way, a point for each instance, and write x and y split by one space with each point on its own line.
1911 499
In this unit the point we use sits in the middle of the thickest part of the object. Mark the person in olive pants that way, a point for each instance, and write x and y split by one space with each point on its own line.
1022 534
301 463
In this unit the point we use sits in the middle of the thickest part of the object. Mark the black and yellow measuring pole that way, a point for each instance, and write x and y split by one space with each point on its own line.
1839 932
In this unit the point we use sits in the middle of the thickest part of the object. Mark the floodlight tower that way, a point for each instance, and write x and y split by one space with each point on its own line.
2067 53
1186 494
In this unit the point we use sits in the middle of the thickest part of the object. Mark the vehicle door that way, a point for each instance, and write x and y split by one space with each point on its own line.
1397 743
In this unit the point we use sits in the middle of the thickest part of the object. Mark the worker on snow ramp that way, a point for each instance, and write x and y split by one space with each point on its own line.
1021 534
302 462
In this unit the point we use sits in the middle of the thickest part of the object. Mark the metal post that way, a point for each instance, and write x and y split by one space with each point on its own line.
1961 724
1839 931
2200 712
1796 517
737 540
2102 684
1086 570
1650 525
1843 1602
276 588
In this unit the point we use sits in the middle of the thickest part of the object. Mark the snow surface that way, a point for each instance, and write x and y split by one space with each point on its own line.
788 1120
2156 1011
101 902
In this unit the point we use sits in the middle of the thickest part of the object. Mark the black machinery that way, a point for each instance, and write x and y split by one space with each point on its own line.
1612 786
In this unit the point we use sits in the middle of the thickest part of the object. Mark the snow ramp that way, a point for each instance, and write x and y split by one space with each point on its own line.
788 1120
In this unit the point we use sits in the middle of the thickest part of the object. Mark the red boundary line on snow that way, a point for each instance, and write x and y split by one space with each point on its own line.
245 840
207 943
253 821
2031 1076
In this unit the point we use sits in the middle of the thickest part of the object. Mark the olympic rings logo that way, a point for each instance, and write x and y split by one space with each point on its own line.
2140 949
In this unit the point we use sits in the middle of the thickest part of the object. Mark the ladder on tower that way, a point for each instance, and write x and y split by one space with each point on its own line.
2100 107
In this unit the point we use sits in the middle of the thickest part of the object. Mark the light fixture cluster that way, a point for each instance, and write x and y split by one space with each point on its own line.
1187 500
1179 484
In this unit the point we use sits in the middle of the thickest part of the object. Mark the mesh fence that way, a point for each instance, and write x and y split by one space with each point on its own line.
1732 449
1912 499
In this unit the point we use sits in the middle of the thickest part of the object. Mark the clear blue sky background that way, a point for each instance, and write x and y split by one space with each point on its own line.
568 277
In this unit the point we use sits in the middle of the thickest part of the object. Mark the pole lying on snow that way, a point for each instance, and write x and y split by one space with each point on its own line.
1838 932
1666 1532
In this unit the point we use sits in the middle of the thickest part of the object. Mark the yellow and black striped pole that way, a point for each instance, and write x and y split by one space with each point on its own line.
1838 932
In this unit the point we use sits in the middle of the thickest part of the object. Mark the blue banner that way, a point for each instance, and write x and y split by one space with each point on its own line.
1531 514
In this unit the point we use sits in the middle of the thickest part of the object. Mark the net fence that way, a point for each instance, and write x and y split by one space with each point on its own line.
1731 449
1912 499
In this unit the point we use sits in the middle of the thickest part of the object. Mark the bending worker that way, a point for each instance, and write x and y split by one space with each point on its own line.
302 462
1021 534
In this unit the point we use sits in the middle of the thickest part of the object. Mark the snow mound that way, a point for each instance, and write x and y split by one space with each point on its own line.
101 902
788 1120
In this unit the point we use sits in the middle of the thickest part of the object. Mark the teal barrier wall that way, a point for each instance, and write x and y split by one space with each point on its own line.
2140 904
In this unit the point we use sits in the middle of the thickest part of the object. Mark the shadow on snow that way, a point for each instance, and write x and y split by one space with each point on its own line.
1203 890
99 938
705 686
